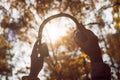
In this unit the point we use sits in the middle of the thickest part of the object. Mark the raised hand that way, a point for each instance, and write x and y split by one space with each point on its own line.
90 46
37 58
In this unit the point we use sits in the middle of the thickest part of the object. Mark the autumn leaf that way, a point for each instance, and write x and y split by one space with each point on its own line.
3 42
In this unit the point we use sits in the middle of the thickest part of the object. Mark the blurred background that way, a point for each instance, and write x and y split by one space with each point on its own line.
19 25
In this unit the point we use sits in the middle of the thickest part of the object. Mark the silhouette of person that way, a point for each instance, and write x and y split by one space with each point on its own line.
99 70
37 58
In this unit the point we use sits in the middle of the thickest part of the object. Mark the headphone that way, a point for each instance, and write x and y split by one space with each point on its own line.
79 26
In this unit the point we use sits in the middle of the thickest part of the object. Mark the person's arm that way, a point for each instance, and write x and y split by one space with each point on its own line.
38 53
29 78
99 70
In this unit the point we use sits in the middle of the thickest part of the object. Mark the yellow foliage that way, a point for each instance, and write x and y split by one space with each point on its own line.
114 1
116 14
3 42
2 64
115 8
117 26
114 46
72 63
84 55
43 7
58 67
79 60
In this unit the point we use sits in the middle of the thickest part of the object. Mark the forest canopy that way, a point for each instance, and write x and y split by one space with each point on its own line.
19 24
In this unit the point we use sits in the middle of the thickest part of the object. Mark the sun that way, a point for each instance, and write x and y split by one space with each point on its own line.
57 28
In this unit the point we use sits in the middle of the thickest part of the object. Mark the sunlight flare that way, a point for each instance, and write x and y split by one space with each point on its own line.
56 29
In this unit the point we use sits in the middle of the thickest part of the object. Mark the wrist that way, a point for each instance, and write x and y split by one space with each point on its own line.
32 76
96 59
29 78
96 56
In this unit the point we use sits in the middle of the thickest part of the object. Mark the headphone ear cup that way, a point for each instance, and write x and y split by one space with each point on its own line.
44 50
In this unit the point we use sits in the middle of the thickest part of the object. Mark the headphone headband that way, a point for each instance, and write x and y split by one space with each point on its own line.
56 16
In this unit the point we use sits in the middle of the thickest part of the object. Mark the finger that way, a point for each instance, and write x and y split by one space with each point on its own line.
44 50
37 43
35 49
89 34
40 59
77 39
